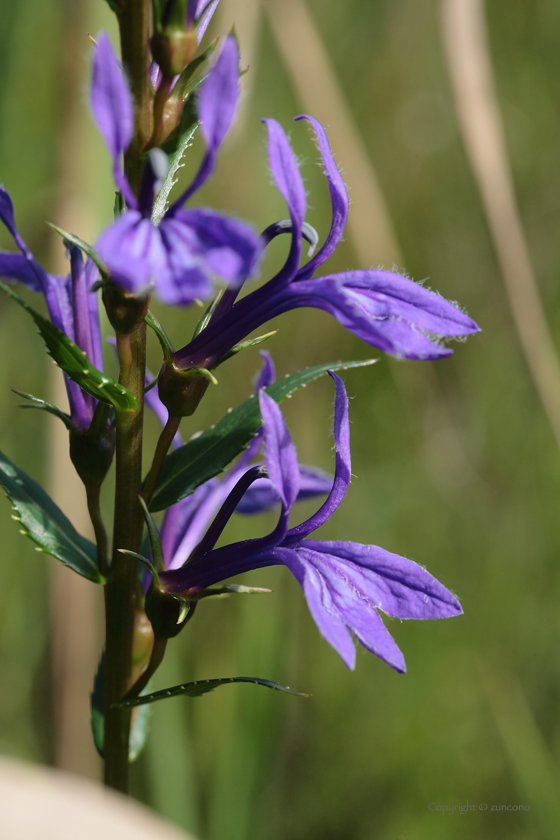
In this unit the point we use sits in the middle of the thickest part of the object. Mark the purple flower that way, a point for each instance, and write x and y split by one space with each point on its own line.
344 583
382 308
200 13
70 305
182 253
186 522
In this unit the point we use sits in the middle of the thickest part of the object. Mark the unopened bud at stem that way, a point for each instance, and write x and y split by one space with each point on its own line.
125 311
181 390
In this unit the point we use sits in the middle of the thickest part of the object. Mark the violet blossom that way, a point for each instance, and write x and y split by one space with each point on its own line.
70 305
185 523
188 248
383 308
344 583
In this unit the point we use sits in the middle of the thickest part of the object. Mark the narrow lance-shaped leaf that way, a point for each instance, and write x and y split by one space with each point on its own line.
75 363
227 589
175 146
207 455
200 687
244 345
88 249
36 402
163 338
42 521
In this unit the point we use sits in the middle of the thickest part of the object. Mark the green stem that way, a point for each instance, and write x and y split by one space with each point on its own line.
134 27
93 494
120 590
163 444
158 135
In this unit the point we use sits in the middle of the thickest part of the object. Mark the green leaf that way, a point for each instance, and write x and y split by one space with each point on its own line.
227 589
186 83
200 687
206 318
43 522
88 250
75 363
46 406
244 345
115 5
140 719
163 338
175 146
207 455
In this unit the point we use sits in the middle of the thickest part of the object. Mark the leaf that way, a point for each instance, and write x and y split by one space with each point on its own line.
163 338
244 345
75 363
186 83
88 249
200 687
140 720
175 146
115 5
46 406
227 589
43 522
207 455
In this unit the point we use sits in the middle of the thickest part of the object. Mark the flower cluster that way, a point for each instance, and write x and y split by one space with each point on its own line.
181 253
344 583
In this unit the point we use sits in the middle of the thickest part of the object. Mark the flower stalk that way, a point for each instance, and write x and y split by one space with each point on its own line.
120 589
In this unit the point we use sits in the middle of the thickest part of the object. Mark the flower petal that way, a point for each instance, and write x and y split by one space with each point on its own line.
341 597
280 455
129 248
398 334
384 294
111 104
399 587
288 179
7 216
261 496
230 248
216 109
321 606
339 201
343 472
92 274
267 373
204 13
15 266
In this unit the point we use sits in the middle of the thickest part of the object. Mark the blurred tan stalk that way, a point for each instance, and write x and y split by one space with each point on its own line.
75 601
245 16
370 228
468 56
314 79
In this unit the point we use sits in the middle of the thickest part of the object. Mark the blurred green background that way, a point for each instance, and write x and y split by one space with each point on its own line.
456 465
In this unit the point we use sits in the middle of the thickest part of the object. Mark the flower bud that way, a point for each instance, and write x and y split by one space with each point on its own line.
92 453
181 390
142 644
173 49
125 311
168 613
